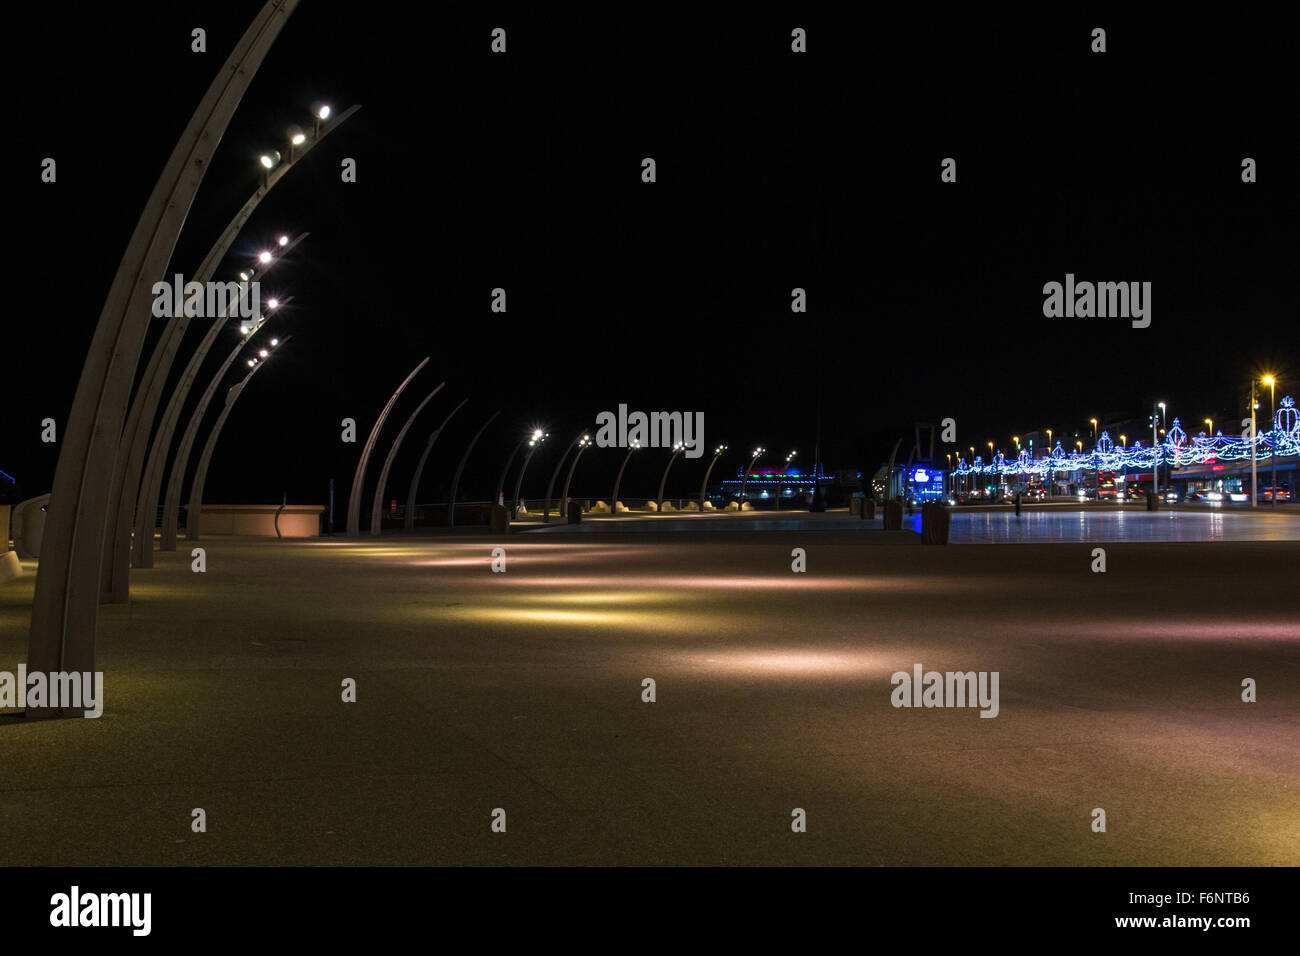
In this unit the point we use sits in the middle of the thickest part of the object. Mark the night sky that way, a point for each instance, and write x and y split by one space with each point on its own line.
775 170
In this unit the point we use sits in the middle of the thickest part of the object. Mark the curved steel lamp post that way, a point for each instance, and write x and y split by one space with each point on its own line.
65 610
134 484
359 477
152 485
745 477
499 487
583 444
128 490
717 453
550 486
455 481
181 462
378 503
677 450
146 509
613 504
409 522
201 472
534 443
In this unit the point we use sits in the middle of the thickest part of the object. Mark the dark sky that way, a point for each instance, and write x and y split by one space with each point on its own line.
775 170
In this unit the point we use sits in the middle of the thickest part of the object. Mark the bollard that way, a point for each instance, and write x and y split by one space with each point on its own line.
869 509
935 522
855 507
500 519
1153 501
893 515
1017 504
573 511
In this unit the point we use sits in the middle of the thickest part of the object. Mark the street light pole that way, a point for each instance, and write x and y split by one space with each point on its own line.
150 482
376 506
1254 441
180 462
534 443
563 508
677 450
613 503
419 468
460 468
550 486
359 477
1271 382
717 453
192 530
740 504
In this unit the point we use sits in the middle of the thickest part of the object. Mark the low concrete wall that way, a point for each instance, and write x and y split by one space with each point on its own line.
296 521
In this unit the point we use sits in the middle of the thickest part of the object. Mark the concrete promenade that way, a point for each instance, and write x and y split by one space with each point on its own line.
522 690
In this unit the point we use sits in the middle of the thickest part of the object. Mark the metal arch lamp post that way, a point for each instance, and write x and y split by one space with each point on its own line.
583 444
546 512
201 472
613 504
359 477
134 485
376 507
409 521
659 500
181 462
65 609
758 452
500 486
455 481
717 453
534 443
152 485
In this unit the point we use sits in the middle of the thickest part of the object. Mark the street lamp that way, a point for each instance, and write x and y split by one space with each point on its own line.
613 501
1209 424
534 443
677 450
192 528
546 512
1271 382
1123 439
745 477
717 453
583 444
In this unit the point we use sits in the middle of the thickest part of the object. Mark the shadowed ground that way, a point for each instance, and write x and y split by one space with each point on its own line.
522 690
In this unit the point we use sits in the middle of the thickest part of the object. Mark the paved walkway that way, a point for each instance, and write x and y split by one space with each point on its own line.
523 691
